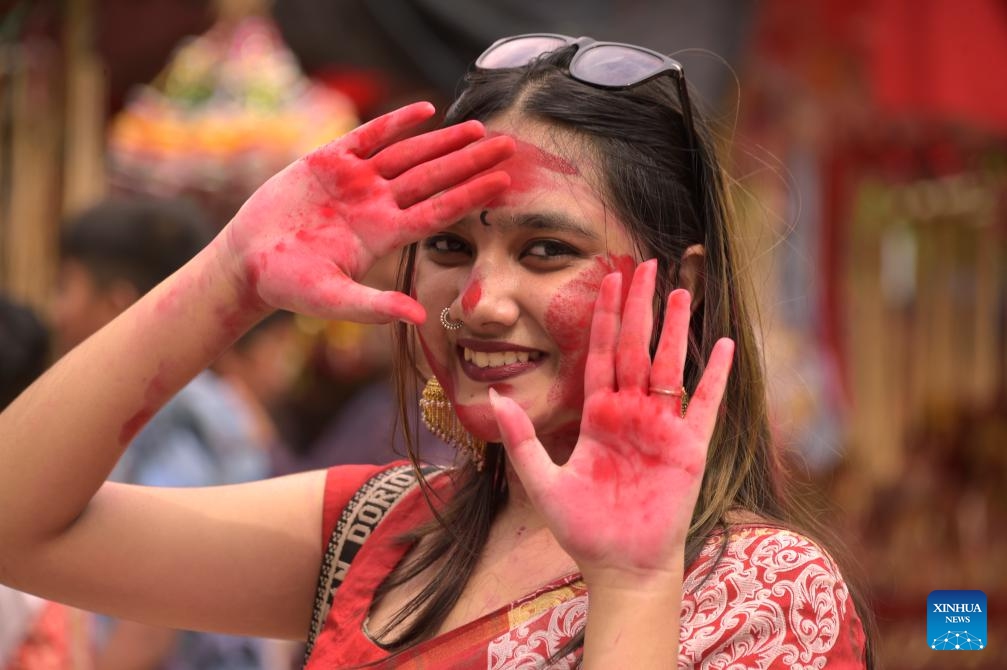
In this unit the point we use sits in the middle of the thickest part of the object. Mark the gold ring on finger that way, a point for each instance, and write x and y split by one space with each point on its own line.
680 393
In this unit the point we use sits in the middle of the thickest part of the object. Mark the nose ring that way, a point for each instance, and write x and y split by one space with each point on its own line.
447 322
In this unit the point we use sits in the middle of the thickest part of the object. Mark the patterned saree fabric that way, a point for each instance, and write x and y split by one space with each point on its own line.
770 598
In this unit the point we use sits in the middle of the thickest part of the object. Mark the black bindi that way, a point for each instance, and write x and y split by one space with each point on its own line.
482 217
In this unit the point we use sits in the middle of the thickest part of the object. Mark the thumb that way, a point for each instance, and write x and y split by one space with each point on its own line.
323 291
531 462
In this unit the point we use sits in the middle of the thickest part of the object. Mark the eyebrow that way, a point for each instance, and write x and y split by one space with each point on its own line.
554 222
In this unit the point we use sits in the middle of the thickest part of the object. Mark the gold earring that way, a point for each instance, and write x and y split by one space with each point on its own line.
439 416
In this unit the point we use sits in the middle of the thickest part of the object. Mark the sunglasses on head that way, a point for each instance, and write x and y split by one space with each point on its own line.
609 65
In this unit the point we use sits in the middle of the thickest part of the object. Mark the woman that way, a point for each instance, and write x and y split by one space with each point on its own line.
548 252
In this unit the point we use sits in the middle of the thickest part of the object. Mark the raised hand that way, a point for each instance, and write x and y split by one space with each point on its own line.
622 504
303 238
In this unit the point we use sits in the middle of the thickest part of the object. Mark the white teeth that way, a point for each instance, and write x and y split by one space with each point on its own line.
496 359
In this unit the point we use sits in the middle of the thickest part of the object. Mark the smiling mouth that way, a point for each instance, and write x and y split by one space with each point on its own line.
495 366
498 359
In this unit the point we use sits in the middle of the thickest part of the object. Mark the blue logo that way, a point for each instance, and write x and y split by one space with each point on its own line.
956 620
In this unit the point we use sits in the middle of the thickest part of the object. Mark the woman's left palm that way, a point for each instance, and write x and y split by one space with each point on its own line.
623 502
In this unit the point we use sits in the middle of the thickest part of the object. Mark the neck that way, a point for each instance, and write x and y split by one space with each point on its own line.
521 527
519 505
560 443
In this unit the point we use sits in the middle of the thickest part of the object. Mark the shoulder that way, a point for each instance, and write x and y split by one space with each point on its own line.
767 548
342 482
354 485
764 597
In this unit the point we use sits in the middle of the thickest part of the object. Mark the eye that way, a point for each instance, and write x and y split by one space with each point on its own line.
550 249
445 248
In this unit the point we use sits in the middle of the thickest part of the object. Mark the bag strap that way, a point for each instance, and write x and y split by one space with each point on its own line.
359 518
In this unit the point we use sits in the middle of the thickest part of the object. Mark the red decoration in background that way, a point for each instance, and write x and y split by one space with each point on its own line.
924 60
941 60
366 88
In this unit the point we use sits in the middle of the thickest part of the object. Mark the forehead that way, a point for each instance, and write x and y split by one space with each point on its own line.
553 172
546 147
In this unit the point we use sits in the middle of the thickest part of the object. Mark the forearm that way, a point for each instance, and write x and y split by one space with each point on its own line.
634 625
62 437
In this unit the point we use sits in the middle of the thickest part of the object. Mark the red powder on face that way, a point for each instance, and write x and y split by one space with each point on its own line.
542 158
525 169
471 296
568 320
439 370
625 265
479 420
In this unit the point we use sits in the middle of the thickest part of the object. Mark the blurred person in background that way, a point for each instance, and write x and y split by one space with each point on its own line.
35 634
24 348
262 368
344 407
111 255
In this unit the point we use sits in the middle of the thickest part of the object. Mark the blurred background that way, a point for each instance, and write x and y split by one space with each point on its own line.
868 141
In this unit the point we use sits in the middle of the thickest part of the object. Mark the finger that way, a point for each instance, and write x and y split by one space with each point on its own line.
396 306
412 151
705 403
599 371
632 354
327 293
378 133
432 214
531 462
669 360
434 176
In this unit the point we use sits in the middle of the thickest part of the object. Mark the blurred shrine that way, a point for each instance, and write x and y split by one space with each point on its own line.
230 109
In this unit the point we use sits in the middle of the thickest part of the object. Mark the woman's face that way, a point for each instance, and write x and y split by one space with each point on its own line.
522 276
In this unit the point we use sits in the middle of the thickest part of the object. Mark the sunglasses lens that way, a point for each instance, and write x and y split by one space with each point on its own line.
616 66
515 53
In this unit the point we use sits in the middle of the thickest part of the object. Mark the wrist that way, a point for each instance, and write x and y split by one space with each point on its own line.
632 581
633 619
238 280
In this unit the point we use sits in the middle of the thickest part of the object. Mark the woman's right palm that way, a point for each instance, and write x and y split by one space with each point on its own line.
304 237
